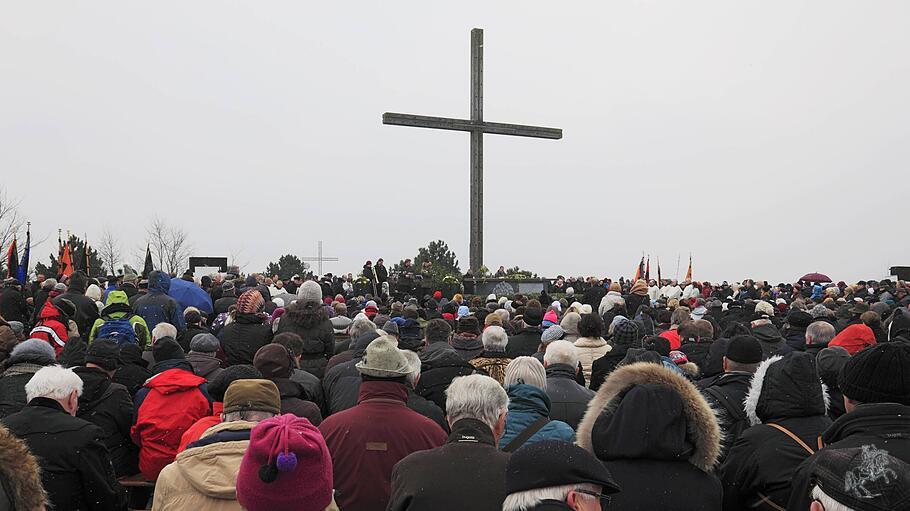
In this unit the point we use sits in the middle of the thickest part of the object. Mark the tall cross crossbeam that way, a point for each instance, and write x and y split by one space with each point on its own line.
319 258
476 126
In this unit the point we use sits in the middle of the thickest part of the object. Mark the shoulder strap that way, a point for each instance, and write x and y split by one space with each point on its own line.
793 436
724 400
526 434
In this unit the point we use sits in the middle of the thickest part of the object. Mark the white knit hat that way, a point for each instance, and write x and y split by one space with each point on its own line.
309 292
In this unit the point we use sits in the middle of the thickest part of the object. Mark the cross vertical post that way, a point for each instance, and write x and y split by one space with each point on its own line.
476 240
319 259
476 126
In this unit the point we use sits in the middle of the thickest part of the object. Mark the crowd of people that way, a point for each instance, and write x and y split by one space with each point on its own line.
308 395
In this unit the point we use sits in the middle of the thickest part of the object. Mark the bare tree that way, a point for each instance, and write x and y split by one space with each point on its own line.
109 251
11 222
169 245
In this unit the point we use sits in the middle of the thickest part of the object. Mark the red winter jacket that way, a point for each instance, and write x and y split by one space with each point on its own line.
196 430
166 406
50 327
366 442
854 338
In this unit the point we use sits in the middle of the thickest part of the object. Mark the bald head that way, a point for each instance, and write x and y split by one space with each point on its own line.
820 332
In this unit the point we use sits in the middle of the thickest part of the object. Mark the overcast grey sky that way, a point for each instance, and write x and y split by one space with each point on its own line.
769 138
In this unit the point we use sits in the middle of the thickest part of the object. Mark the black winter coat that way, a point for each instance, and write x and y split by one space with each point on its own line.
771 341
17 372
795 337
242 339
223 304
524 343
312 386
294 400
568 399
427 408
321 332
762 461
468 472
440 365
75 467
883 426
86 309
185 337
726 393
697 352
13 306
594 295
109 406
133 370
603 366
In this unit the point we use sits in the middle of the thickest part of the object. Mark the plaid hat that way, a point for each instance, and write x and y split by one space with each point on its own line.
252 395
626 333
878 374
103 353
819 311
862 478
250 302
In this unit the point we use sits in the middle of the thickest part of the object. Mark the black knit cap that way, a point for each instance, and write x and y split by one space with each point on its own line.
103 353
878 374
555 463
744 349
799 318
167 348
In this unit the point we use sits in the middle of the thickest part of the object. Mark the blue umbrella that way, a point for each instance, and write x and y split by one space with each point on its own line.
188 294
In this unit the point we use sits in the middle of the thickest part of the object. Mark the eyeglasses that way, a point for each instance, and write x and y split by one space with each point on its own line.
604 499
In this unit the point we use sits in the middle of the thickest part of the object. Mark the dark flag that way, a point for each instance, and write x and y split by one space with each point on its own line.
659 278
149 265
22 273
12 260
648 269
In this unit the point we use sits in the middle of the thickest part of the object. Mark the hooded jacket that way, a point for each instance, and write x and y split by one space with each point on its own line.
51 326
657 436
117 306
440 365
204 477
86 309
527 404
156 306
568 399
589 350
206 365
108 405
133 370
785 391
854 338
770 339
157 429
468 345
16 372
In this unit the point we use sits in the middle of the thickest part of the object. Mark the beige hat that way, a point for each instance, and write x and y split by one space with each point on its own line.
383 359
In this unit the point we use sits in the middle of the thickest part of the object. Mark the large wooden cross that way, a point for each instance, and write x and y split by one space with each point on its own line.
477 127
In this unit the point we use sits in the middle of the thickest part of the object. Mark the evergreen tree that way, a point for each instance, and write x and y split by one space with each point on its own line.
287 266
95 268
445 262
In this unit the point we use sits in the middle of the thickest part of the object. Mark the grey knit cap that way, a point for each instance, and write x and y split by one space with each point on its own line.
205 343
34 347
309 292
819 311
383 359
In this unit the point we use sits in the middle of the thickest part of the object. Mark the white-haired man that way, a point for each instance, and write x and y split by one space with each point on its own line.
468 472
76 469
552 475
568 399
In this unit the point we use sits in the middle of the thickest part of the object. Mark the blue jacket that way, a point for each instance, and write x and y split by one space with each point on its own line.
156 306
528 403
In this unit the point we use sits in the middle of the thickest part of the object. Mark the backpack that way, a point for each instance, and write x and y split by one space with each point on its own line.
117 329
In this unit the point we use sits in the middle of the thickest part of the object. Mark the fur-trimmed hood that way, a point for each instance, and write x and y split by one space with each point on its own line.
700 423
792 390
20 474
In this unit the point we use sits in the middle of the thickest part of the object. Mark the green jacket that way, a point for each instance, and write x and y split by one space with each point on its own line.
117 306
